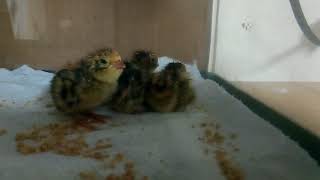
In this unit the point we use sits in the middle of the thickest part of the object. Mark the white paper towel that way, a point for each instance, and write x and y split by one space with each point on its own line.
163 146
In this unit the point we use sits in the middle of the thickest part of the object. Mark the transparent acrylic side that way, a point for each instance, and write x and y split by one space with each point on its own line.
261 50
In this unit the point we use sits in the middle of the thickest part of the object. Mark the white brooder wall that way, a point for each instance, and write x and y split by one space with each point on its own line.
261 41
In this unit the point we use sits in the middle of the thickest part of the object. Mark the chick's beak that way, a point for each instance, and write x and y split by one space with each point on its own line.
119 65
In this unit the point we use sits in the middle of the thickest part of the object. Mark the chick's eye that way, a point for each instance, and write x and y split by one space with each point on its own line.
103 61
160 87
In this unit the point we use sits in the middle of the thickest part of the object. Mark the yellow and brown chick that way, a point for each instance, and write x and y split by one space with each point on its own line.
170 90
82 89
129 97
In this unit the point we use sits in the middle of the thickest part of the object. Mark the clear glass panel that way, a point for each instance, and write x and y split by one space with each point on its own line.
261 49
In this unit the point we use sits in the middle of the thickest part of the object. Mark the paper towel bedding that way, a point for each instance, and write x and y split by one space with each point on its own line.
162 146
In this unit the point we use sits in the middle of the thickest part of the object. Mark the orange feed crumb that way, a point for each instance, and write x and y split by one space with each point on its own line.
203 125
206 151
64 138
145 178
228 169
233 136
119 157
116 160
213 137
87 176
3 132
68 138
112 177
129 174
103 145
129 165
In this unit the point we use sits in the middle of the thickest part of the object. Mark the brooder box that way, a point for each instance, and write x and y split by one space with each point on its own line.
248 61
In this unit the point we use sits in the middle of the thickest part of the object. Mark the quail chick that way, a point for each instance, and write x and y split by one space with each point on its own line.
170 90
129 97
186 93
146 61
89 85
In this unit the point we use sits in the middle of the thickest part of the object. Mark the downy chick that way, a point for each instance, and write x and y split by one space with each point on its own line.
129 97
170 90
146 61
186 93
88 86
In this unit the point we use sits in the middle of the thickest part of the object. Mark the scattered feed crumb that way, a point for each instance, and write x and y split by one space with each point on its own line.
68 138
233 136
3 132
112 177
206 151
211 124
228 169
116 160
119 157
129 165
115 125
213 137
99 156
203 125
101 144
235 149
64 138
128 174
208 133
49 105
87 175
